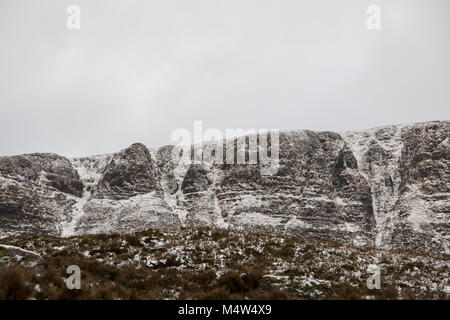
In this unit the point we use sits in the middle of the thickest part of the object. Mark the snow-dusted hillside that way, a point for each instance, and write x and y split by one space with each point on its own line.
387 187
211 263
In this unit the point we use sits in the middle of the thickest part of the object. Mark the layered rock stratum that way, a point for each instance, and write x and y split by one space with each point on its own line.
387 187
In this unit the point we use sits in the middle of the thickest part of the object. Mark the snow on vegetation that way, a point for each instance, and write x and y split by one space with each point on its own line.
215 263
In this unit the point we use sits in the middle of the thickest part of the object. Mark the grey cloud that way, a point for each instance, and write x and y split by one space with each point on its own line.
138 70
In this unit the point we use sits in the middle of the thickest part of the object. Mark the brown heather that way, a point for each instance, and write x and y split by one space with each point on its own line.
206 263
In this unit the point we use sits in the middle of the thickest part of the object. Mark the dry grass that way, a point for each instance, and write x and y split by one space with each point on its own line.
216 264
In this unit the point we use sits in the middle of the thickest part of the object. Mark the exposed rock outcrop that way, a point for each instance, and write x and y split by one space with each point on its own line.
386 187
37 192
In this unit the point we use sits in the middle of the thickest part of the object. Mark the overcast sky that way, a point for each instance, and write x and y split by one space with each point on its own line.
137 70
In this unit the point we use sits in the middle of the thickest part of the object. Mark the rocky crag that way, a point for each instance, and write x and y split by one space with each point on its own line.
387 187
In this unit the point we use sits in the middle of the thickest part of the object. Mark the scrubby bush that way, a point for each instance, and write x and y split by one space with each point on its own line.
13 284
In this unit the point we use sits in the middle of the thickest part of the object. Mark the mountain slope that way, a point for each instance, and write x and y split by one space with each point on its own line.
387 187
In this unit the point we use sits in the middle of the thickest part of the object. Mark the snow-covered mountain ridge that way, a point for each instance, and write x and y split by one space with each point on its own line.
387 187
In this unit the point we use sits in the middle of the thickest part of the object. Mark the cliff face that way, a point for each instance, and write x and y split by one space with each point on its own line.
386 186
408 168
